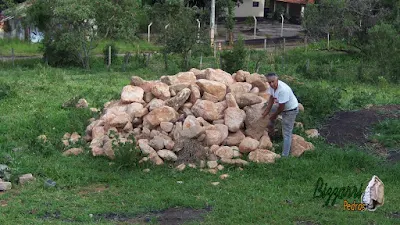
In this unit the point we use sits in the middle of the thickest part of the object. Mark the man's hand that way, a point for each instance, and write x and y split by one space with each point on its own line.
273 116
266 112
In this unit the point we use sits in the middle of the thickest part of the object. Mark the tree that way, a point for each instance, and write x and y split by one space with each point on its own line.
383 51
116 19
181 34
342 18
69 30
72 28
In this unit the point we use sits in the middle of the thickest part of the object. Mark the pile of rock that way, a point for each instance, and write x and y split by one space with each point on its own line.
209 114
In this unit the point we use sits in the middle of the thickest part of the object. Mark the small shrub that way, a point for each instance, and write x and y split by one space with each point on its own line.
232 61
362 98
70 103
5 90
58 57
318 72
127 155
317 100
42 147
387 132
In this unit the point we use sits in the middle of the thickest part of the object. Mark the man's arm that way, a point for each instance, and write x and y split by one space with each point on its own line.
280 109
269 106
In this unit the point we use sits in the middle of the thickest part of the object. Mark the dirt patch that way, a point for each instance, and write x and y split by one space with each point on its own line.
93 189
354 127
171 216
306 223
395 215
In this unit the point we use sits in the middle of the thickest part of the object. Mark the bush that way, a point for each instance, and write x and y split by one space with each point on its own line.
387 132
382 50
362 98
318 101
57 56
5 90
232 61
126 154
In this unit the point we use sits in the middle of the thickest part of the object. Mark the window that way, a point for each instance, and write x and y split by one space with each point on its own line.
256 4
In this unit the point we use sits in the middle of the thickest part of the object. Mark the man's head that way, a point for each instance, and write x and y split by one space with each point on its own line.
272 79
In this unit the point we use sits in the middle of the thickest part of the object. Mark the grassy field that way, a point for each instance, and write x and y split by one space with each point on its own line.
23 48
90 188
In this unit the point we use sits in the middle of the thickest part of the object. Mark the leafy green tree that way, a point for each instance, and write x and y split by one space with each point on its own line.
116 19
383 50
235 60
343 19
72 28
181 34
69 30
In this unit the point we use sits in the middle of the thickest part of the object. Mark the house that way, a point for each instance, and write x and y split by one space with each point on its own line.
293 8
12 24
250 8
11 27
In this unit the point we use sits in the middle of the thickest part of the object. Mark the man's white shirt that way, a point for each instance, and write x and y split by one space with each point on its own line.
284 94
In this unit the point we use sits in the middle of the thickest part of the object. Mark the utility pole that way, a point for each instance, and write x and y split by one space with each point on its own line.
212 21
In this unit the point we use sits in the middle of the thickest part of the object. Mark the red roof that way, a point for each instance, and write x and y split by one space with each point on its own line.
297 1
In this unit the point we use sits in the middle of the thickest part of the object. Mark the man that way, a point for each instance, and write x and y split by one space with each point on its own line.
287 105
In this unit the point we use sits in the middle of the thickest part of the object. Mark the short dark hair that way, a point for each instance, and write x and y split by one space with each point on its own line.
271 75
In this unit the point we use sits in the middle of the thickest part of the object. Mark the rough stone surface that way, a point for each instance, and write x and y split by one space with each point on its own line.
299 145
263 156
213 87
248 144
131 94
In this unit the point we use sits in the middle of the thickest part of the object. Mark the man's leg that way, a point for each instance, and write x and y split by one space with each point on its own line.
288 120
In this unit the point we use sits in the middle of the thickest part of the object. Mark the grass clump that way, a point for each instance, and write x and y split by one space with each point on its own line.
387 132
127 155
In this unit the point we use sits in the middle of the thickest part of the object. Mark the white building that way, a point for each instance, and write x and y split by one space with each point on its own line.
250 8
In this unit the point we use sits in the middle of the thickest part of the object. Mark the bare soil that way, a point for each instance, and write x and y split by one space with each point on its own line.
354 127
171 216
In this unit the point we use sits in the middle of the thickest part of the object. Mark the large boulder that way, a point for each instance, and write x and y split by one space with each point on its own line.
191 128
158 115
247 99
248 144
216 134
180 78
234 139
234 118
206 109
161 91
219 75
299 145
177 101
239 87
131 94
263 156
212 87
255 123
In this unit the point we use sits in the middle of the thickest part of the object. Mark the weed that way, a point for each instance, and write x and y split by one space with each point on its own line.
127 155
387 132
5 90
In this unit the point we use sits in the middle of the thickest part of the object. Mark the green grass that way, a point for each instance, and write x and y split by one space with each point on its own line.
21 48
387 133
280 193
24 48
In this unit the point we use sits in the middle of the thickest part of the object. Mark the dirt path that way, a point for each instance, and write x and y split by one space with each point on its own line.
354 127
